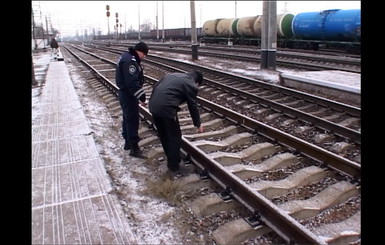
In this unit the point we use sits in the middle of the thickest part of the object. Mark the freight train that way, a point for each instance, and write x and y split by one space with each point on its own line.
173 34
307 30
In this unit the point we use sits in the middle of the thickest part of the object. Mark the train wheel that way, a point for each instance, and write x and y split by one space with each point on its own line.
315 46
353 50
307 46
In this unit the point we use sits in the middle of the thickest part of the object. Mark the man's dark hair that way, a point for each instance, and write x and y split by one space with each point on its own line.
198 77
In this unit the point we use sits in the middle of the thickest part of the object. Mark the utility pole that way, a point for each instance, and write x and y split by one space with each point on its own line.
157 28
235 9
33 29
34 82
194 43
269 35
117 26
46 27
163 21
125 26
37 15
200 15
139 21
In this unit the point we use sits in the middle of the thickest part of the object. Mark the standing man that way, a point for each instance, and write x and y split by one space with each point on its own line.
54 47
166 97
129 78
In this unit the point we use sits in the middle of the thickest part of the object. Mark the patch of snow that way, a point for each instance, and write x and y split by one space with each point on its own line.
249 69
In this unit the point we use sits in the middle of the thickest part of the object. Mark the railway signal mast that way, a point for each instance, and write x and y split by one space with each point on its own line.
117 26
108 19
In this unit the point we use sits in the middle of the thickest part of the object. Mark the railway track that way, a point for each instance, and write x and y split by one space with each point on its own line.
333 126
287 59
283 188
284 59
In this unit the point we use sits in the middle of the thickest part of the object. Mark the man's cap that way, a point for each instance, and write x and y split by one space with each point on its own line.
142 47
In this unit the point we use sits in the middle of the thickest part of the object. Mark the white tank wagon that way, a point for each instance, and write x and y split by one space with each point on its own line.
250 26
227 27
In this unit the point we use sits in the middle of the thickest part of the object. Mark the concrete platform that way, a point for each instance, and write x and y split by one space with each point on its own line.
71 200
345 85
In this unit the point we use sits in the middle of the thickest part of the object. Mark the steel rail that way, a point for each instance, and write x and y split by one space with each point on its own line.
290 229
352 110
300 146
323 156
316 121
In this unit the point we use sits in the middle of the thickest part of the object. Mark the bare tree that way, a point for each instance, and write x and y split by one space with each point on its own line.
147 25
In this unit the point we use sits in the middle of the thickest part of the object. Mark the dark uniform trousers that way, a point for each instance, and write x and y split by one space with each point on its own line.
170 138
130 123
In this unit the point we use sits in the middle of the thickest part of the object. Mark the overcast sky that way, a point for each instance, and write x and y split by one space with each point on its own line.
71 17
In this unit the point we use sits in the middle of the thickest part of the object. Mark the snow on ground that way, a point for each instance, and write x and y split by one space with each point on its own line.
247 69
151 219
40 62
328 78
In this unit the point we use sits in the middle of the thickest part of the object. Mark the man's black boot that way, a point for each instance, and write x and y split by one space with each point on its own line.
127 146
135 151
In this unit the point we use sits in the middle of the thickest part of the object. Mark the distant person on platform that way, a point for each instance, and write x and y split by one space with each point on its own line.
167 95
54 47
129 78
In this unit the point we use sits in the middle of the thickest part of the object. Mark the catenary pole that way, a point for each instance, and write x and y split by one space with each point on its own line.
157 27
163 21
138 21
194 43
269 35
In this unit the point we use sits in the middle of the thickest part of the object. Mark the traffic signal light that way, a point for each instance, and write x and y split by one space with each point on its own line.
108 10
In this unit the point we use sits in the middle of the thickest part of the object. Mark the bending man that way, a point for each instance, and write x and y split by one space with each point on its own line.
168 94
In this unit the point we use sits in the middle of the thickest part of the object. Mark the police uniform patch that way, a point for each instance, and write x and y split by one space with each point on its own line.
132 69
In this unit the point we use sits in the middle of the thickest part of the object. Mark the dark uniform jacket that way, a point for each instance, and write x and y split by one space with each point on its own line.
170 92
54 43
129 75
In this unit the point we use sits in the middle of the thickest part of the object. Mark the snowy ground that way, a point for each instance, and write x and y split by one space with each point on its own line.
242 68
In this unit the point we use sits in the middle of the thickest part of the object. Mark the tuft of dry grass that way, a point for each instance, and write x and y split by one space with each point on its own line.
163 188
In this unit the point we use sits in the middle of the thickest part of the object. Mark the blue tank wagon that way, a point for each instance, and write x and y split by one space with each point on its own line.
331 28
329 25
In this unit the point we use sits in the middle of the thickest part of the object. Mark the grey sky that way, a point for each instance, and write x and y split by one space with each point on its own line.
70 17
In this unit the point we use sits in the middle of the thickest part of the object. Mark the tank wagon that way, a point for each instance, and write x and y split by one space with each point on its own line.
334 24
246 27
307 30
